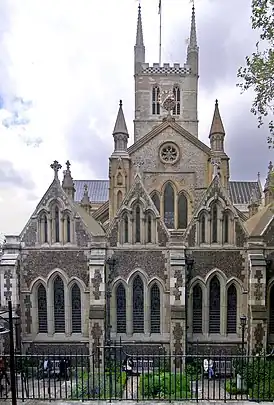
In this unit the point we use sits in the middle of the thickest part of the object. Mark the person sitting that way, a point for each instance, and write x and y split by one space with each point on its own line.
209 368
128 365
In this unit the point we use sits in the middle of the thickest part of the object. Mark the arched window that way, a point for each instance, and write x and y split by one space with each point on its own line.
149 229
68 230
57 225
76 310
214 306
138 305
119 199
177 98
197 309
226 228
155 311
138 224
59 305
231 326
169 206
182 211
44 228
202 229
125 228
42 309
155 100
214 224
156 201
121 318
119 179
271 311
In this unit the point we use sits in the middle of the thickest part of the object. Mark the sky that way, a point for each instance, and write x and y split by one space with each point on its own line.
65 64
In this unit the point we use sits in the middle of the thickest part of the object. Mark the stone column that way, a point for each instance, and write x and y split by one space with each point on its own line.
177 305
97 307
257 303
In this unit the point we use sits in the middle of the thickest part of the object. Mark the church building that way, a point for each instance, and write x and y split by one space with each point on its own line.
168 251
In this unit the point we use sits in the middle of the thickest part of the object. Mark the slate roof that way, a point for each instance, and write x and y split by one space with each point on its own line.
239 191
97 190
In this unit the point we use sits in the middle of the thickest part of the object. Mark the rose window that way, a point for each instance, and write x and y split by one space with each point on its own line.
169 153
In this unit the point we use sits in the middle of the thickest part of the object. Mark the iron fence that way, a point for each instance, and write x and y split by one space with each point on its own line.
112 374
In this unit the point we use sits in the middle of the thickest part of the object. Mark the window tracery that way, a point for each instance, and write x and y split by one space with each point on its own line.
59 305
214 305
231 326
169 153
155 309
138 305
177 99
197 309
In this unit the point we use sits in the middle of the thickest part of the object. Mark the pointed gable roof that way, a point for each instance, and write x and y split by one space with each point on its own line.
217 124
120 125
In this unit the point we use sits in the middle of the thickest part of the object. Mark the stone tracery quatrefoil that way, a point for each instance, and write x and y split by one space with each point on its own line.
169 153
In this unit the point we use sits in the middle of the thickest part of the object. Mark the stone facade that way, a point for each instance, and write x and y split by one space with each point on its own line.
79 275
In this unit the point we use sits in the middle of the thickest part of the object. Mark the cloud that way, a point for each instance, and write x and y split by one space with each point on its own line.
10 177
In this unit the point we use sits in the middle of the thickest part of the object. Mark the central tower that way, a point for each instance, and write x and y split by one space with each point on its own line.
151 81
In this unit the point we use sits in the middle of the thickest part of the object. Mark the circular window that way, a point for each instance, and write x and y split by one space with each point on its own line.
169 153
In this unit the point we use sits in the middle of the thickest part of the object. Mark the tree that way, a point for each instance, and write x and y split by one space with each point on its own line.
258 74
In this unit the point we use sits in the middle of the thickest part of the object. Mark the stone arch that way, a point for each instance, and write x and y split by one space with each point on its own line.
54 273
78 281
55 201
136 272
216 272
36 282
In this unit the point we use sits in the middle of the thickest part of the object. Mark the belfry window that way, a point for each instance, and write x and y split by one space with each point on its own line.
121 320
155 100
138 305
169 206
177 99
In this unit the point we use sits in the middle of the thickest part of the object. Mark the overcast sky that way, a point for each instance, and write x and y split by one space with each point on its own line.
64 65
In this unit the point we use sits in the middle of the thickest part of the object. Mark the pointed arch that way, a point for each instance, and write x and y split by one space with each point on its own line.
177 99
59 304
119 199
156 100
125 230
138 304
182 211
197 309
119 179
231 317
56 224
169 201
76 309
156 200
68 228
121 318
226 217
42 309
202 224
214 305
155 308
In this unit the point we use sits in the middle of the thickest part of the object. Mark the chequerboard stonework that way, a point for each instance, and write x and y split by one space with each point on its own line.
112 259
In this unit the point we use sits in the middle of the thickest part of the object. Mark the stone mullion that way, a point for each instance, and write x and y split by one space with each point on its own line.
129 311
146 311
50 309
68 310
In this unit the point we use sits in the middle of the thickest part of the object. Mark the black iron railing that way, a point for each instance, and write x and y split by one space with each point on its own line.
140 377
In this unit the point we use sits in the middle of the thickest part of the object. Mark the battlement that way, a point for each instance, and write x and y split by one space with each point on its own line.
166 69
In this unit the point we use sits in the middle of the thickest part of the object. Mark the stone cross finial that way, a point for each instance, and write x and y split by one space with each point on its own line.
68 165
216 167
55 166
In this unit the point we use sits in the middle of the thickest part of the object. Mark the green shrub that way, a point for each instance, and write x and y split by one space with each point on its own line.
231 388
164 386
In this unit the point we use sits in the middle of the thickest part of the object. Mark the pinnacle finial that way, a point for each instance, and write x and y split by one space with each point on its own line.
139 34
68 165
216 102
121 103
55 166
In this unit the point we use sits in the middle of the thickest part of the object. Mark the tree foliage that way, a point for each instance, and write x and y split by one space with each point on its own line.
258 74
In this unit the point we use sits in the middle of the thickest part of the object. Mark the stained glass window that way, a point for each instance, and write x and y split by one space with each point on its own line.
68 228
155 100
156 201
76 310
138 225
271 311
214 306
226 227
149 229
169 206
214 218
182 211
121 318
203 229
197 309
42 309
155 311
59 305
57 235
231 326
176 94
138 305
126 229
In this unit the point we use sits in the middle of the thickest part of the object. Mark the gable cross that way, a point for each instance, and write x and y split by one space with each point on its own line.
55 166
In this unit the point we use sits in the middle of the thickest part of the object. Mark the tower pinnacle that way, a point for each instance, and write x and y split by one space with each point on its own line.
139 33
217 124
120 132
139 48
193 35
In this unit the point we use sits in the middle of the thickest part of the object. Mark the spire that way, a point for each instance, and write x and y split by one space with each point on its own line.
120 132
193 35
217 125
85 202
139 48
67 183
139 33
